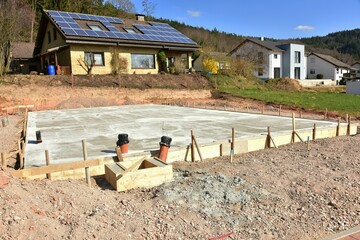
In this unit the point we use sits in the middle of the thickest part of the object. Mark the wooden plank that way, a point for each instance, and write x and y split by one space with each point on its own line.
18 107
28 172
87 171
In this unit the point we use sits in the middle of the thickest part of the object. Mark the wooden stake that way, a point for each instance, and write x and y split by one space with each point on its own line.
314 132
338 128
47 159
293 122
267 141
87 170
348 126
3 162
280 110
232 151
325 114
187 152
192 147
308 143
262 109
347 118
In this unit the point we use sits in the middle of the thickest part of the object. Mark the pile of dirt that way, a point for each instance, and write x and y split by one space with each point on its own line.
283 84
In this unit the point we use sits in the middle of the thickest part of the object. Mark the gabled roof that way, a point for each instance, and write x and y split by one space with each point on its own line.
331 60
270 45
79 27
23 50
355 63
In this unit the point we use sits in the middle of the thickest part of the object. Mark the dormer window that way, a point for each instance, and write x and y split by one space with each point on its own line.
95 27
129 30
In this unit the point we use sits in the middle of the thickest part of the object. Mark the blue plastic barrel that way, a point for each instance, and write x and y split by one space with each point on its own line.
51 70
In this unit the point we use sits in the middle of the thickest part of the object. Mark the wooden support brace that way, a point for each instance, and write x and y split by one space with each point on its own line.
221 150
232 149
197 146
119 154
263 109
192 145
187 152
87 170
338 128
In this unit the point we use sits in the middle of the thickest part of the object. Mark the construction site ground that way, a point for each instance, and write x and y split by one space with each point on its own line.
285 193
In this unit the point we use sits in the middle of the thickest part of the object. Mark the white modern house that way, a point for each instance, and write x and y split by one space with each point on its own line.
327 66
356 68
273 59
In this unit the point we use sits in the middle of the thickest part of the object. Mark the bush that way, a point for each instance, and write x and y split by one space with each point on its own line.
118 64
319 76
161 57
179 66
210 65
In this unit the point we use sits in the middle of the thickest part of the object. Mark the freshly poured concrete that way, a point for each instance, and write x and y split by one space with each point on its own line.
63 130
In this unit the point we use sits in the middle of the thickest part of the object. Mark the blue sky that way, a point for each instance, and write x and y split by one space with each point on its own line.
278 19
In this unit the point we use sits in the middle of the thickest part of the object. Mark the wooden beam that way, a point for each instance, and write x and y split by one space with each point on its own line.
192 147
87 170
28 172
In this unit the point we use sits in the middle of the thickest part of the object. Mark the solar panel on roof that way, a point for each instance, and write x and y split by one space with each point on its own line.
161 32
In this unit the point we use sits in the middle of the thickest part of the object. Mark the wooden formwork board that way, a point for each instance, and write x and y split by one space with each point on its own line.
138 173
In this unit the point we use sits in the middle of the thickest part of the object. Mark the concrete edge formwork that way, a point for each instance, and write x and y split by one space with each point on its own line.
208 151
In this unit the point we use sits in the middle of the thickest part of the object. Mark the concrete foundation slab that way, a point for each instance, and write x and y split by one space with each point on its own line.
63 130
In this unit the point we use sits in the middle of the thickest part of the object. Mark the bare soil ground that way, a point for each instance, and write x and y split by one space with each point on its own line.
285 193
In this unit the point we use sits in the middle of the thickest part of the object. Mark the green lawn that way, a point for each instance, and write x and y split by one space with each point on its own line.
333 101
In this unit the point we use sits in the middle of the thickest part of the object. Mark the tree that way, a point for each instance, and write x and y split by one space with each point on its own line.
125 5
148 7
87 63
11 12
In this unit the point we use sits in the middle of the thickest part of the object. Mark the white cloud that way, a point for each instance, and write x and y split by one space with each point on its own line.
304 28
193 13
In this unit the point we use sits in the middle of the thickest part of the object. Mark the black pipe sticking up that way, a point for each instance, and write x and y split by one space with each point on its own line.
123 138
38 137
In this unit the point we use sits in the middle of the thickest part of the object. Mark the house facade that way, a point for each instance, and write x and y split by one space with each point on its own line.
273 59
356 69
22 61
327 66
83 43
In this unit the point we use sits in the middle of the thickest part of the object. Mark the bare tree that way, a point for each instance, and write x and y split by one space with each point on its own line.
9 22
87 63
148 7
125 5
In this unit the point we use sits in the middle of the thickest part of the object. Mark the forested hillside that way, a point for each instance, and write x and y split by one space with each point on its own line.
344 45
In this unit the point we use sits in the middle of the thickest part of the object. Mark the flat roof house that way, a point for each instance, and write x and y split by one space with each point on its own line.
273 59
76 42
329 67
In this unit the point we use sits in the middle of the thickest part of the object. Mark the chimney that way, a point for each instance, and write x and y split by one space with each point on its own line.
140 17
262 39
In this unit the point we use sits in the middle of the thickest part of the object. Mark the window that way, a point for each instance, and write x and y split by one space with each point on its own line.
275 56
95 59
260 57
260 72
297 57
94 27
54 34
312 71
358 71
49 37
129 30
142 61
337 70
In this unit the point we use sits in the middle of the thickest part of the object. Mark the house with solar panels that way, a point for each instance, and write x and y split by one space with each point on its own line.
72 40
